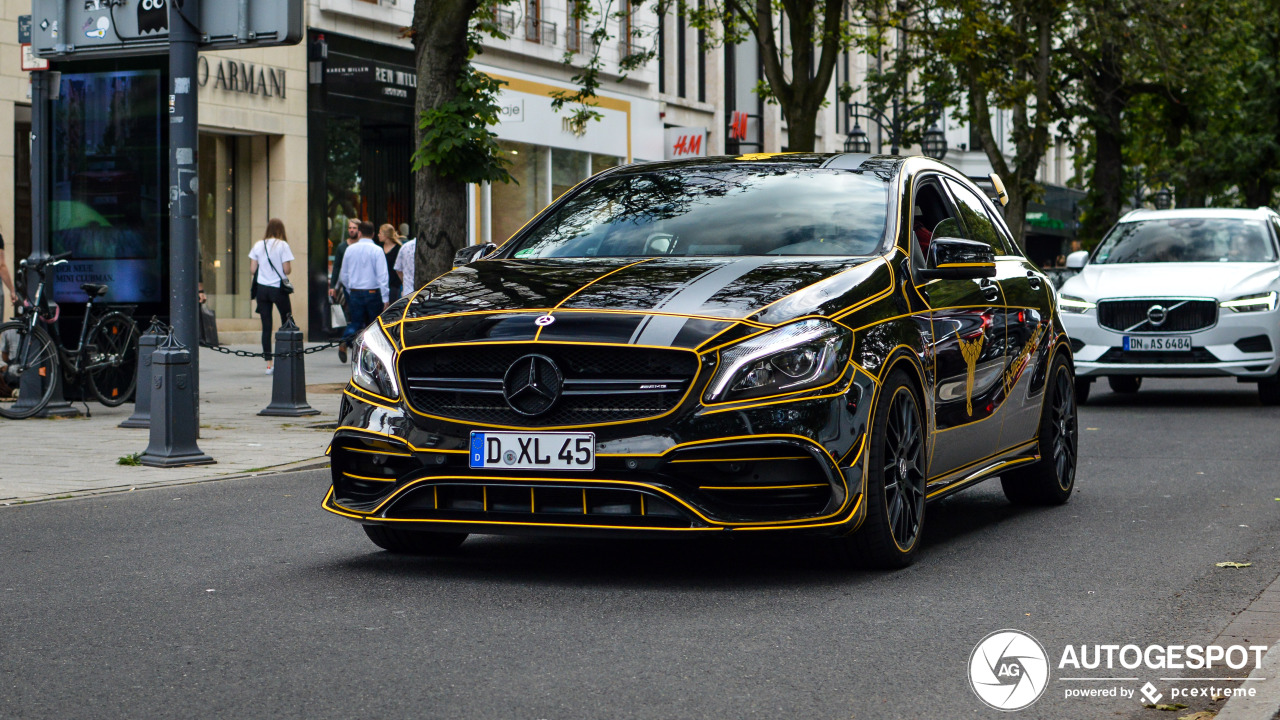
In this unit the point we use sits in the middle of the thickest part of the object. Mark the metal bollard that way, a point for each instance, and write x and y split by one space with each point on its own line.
141 417
289 381
173 444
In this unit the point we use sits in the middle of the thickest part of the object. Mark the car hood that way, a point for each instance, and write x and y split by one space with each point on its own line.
657 301
1223 281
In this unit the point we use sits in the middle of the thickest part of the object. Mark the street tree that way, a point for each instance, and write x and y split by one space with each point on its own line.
983 55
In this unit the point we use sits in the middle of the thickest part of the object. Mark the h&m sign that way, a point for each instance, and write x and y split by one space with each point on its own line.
683 142
239 77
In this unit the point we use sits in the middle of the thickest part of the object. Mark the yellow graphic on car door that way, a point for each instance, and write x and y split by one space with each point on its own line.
970 349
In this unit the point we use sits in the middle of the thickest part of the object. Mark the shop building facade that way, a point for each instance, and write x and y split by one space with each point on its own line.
322 132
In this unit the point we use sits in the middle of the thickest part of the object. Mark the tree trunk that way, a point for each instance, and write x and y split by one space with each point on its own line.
439 203
1106 192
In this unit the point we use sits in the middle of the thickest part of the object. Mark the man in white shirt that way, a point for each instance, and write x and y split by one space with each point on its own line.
364 275
404 267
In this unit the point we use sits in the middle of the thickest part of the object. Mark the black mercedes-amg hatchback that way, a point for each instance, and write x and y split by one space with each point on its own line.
766 343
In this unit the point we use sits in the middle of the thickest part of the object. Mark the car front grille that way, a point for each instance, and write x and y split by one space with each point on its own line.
1118 356
1182 315
601 383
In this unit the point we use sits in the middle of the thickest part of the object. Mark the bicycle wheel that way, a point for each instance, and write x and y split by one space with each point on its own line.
31 352
111 357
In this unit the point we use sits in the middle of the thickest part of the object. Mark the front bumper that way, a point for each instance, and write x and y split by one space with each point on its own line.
794 465
1239 344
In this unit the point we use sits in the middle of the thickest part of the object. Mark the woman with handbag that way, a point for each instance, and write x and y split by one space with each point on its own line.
270 262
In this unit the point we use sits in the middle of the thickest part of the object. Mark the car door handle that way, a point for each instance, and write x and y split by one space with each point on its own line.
990 290
1033 280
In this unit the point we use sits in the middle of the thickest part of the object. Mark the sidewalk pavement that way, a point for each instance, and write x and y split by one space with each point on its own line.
49 458
1258 624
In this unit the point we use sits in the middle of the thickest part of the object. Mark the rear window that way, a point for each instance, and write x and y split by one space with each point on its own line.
723 211
1187 240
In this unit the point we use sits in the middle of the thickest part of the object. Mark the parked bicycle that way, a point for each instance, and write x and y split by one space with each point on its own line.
103 363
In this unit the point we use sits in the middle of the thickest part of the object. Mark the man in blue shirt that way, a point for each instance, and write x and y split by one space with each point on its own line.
364 275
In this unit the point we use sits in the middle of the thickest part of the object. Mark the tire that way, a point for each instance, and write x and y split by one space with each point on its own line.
413 542
37 354
1125 384
1269 391
1082 390
114 337
1050 480
895 482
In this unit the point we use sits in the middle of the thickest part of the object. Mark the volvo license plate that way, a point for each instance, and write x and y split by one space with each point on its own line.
533 451
1158 343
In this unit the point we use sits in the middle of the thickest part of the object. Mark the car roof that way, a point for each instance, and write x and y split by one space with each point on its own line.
841 161
1261 213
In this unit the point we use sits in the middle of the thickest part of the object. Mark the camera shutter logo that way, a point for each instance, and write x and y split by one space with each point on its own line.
1008 670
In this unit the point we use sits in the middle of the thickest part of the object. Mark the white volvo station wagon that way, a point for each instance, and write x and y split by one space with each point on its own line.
1178 293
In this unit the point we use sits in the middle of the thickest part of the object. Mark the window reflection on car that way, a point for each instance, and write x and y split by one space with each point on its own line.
720 212
1187 240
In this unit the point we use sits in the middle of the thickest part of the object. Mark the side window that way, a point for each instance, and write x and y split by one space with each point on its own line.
976 220
931 216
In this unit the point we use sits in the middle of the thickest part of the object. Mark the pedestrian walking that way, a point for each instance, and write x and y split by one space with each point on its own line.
6 282
364 275
391 248
404 267
270 262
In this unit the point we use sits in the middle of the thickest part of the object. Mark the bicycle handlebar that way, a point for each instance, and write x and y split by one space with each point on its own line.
51 260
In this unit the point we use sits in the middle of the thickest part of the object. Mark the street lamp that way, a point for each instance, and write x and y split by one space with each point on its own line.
934 143
857 140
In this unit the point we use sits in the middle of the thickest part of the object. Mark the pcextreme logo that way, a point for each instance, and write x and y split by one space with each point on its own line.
1008 670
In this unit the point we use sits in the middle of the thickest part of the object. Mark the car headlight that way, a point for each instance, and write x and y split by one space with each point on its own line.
1072 304
1252 303
372 361
795 357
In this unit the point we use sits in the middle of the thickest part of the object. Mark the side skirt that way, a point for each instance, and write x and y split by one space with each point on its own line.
956 481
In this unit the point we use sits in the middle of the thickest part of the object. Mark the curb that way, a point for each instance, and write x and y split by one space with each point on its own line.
1266 703
316 463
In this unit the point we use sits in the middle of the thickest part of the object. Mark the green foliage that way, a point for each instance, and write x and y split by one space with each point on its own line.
456 139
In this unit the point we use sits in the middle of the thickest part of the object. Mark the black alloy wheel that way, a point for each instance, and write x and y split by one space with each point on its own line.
413 542
895 482
1050 480
1125 384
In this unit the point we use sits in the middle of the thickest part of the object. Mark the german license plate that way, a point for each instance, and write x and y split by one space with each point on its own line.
533 451
1158 343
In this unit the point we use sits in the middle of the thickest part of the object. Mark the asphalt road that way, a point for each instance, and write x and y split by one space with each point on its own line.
242 598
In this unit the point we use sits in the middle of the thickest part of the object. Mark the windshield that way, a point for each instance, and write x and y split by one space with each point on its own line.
724 211
1187 240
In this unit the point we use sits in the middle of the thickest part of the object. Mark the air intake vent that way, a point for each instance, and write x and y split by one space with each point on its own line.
1254 344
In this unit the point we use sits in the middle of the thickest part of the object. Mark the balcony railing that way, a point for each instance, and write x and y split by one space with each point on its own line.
542 32
627 48
506 21
578 40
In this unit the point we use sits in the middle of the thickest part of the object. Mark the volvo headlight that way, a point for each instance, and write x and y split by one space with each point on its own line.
1252 303
372 363
1072 304
795 357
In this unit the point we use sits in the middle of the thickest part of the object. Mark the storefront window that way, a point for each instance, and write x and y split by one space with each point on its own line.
514 203
568 168
226 221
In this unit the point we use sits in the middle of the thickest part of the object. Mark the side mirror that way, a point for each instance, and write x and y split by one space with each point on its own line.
956 259
471 253
1078 259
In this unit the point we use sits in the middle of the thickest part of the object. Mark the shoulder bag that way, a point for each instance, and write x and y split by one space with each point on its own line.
285 285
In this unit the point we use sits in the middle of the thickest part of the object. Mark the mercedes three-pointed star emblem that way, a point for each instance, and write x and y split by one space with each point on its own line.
532 384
